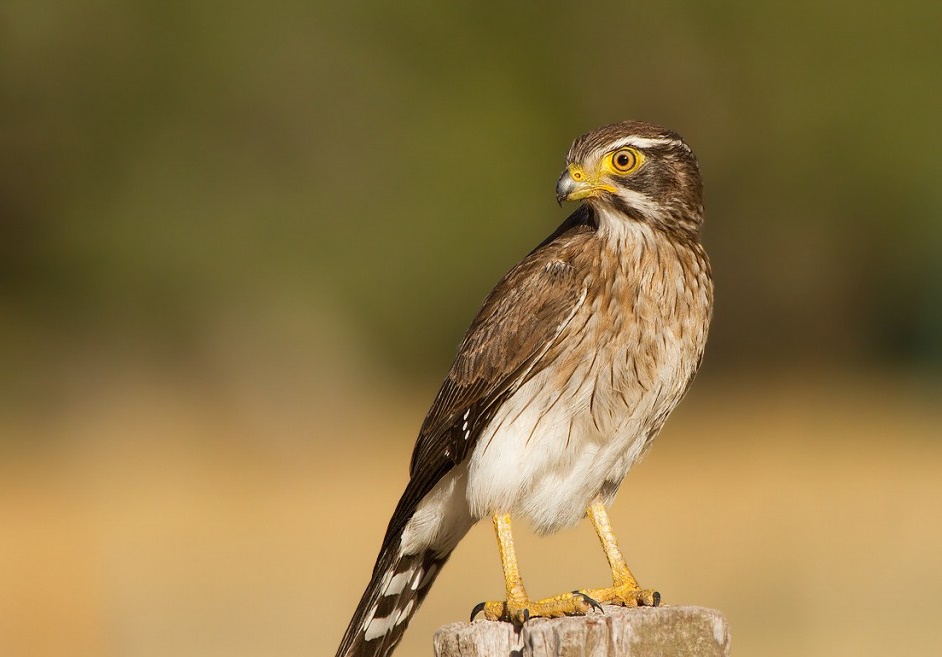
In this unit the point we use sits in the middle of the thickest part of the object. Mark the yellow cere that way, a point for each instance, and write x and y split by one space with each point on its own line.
586 186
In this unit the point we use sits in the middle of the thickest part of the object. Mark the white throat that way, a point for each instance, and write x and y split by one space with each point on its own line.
621 231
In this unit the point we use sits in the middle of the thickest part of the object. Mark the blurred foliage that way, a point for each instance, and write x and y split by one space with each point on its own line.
167 169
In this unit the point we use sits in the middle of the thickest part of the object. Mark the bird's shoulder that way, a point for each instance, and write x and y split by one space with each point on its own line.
516 324
525 308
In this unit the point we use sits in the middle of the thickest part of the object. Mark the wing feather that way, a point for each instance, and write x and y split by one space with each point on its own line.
514 328
503 347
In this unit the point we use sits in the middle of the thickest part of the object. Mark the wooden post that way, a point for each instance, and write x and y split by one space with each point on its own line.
619 632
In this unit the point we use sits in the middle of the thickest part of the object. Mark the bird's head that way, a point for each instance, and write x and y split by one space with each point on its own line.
635 171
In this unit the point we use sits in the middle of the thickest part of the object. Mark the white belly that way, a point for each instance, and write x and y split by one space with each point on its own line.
547 453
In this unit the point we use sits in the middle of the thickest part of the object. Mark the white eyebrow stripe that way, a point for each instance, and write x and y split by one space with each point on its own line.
647 142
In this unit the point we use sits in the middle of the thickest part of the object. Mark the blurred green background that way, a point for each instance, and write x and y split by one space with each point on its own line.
239 244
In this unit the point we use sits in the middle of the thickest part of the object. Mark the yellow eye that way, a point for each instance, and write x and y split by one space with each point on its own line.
624 160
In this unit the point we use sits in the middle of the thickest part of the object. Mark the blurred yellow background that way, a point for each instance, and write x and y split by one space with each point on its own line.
239 244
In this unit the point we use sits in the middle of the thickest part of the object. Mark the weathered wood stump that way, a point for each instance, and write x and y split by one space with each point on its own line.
619 632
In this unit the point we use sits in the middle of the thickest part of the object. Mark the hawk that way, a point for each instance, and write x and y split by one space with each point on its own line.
563 379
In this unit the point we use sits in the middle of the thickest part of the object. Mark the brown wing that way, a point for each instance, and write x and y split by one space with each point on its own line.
517 322
515 326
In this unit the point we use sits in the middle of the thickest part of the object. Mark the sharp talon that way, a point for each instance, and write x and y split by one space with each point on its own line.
593 604
656 599
526 615
478 608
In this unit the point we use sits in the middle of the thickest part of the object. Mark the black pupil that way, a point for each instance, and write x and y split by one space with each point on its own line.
623 160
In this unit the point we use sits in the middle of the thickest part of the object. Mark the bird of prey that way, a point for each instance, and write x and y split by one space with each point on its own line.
567 373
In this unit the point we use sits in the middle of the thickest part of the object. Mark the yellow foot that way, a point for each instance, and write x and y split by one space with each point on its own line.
519 611
626 595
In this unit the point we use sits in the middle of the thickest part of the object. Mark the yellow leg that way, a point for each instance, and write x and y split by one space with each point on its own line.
508 559
625 591
518 607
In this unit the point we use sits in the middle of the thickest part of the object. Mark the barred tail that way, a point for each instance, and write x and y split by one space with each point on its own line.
397 588
430 519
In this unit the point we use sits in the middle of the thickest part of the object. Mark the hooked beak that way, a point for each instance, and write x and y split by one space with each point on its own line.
574 185
564 187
